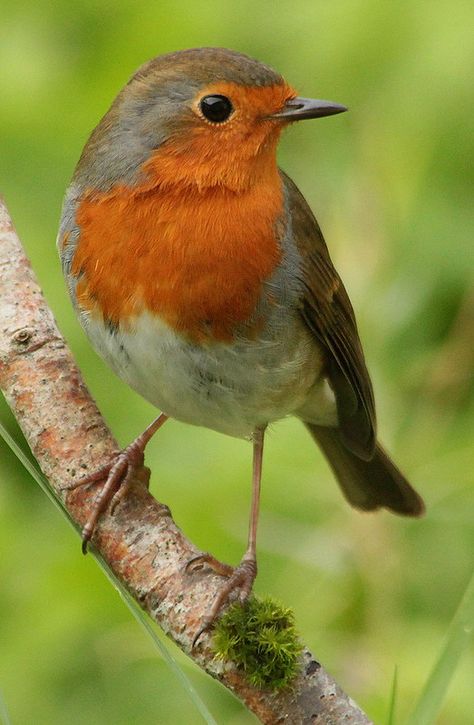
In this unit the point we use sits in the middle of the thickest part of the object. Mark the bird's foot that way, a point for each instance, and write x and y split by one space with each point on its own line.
239 578
119 474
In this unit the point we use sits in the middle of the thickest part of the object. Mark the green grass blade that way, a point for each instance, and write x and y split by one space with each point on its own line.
171 662
33 471
139 615
4 716
457 639
393 698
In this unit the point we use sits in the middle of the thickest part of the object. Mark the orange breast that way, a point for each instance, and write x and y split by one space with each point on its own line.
197 258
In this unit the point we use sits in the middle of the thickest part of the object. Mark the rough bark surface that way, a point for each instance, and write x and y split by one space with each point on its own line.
141 544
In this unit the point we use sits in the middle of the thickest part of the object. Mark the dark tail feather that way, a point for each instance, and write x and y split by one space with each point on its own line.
368 485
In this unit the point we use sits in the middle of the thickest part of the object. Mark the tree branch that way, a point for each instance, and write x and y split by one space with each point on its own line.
141 544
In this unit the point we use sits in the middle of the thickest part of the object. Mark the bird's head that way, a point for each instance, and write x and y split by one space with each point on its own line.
207 117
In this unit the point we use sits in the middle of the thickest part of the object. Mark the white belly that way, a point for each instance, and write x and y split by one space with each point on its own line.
229 388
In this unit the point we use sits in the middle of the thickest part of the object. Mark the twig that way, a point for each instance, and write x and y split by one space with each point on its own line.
141 544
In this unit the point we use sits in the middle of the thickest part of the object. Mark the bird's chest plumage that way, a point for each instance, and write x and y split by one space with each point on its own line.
196 260
190 301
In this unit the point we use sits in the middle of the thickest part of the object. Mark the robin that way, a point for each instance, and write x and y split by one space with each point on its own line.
200 274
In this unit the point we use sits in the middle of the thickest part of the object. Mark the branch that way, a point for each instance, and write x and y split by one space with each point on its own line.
141 544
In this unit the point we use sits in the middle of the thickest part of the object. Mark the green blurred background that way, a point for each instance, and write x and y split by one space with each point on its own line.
391 183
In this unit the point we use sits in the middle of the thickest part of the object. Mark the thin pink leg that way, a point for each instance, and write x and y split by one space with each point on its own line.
243 576
258 438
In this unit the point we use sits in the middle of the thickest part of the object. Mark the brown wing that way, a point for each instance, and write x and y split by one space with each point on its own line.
327 311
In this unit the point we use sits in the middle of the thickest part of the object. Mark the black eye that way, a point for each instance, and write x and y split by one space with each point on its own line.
216 108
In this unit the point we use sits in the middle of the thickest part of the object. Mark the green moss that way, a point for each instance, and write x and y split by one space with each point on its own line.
260 637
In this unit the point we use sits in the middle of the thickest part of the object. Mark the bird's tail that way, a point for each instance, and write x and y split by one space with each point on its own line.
367 485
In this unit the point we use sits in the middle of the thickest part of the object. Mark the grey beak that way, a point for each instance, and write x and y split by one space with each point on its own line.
297 109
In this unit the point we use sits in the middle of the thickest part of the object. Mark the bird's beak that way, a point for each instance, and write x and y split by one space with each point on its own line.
297 109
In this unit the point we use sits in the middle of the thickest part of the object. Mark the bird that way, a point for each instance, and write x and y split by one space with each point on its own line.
200 274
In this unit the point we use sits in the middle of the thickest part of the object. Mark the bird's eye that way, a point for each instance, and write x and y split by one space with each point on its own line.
216 108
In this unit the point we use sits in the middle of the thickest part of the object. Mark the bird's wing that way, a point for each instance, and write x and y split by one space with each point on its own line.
327 311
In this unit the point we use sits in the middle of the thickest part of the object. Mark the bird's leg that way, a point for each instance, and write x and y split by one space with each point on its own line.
243 576
119 475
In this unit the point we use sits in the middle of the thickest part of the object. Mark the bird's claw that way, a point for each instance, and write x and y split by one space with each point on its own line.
95 477
119 474
241 577
197 563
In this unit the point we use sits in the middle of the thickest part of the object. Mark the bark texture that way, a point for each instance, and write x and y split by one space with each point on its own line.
141 544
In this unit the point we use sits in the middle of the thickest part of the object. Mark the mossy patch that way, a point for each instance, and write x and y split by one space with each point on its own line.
260 637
